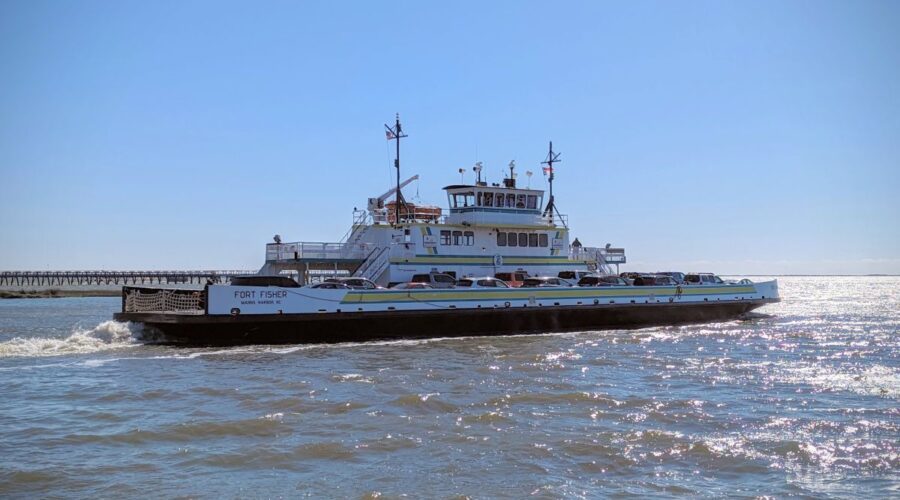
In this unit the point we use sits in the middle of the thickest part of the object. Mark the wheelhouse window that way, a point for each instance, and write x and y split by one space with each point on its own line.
457 238
463 200
488 199
469 238
510 200
520 201
445 238
533 240
498 200
523 240
513 240
543 240
532 202
501 239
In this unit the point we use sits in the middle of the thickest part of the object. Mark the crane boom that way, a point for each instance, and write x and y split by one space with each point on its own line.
379 202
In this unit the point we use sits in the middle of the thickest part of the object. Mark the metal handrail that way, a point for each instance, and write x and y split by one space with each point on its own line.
376 256
314 250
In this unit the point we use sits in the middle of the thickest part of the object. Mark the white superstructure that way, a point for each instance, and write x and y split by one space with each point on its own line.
486 229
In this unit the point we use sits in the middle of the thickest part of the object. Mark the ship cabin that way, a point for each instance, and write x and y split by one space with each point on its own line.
482 204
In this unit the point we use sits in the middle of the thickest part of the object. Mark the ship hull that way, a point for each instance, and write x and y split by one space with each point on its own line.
331 327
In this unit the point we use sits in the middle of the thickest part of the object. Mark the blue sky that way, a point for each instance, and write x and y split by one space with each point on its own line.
755 137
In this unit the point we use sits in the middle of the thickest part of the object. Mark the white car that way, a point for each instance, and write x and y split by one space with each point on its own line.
485 282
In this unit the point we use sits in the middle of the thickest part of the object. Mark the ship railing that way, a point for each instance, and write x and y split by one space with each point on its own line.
360 218
305 250
556 220
374 264
601 255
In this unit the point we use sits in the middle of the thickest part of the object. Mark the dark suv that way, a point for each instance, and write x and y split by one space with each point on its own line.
597 280
654 280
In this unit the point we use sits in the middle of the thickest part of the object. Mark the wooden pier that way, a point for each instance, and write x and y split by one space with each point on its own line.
44 279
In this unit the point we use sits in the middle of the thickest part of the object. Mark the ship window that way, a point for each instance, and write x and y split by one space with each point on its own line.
512 240
520 201
532 240
469 237
498 200
532 201
488 199
501 239
542 240
510 200
445 237
523 240
457 238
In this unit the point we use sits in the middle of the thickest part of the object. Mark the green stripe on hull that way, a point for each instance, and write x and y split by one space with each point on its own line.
454 295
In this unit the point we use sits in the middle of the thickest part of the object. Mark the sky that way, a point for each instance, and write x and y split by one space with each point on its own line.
734 137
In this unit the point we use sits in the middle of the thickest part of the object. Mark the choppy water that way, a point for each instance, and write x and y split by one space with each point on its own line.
802 400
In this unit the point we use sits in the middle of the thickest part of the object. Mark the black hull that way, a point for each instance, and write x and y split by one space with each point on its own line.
365 326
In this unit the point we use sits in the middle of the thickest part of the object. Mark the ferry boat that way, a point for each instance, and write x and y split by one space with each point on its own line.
489 229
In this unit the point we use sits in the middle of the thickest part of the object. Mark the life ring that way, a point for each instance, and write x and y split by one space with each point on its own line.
498 260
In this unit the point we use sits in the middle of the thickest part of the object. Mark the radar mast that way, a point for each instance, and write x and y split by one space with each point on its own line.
551 204
395 133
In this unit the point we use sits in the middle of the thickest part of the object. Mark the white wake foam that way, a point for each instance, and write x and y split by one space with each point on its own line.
106 336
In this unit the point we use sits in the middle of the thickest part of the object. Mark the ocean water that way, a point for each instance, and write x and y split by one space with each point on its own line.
803 399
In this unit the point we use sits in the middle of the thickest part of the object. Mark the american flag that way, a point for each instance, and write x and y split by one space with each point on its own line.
390 134
548 170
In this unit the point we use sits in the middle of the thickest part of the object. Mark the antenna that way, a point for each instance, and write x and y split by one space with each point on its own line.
529 173
462 176
395 134
477 168
551 159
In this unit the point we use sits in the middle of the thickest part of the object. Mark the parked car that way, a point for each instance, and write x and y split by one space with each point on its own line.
598 280
545 282
513 279
330 285
411 286
435 280
574 276
675 275
702 279
630 276
653 280
354 283
485 282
